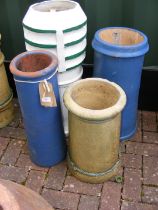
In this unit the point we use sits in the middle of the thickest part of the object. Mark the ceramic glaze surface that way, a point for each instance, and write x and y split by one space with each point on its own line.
43 125
118 57
6 95
17 197
95 107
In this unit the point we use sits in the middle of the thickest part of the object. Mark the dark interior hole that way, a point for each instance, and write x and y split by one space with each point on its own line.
57 6
121 36
34 62
95 95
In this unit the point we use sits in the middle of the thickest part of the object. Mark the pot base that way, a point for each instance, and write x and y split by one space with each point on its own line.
128 136
93 178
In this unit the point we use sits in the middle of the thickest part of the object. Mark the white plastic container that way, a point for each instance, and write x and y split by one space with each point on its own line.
59 26
64 82
47 22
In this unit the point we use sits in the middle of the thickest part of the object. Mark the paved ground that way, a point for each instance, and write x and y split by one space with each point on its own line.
138 191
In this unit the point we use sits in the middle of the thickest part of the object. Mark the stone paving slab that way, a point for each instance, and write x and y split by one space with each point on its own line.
139 171
74 185
35 180
132 185
3 145
150 195
111 196
150 170
56 177
12 152
149 121
131 161
88 202
150 137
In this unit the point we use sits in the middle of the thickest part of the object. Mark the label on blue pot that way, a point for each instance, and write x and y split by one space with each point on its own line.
46 99
47 96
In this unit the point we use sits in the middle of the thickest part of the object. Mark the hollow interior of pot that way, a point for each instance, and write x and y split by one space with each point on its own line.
54 6
95 95
121 36
33 62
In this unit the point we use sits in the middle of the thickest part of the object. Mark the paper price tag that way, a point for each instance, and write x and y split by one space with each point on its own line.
47 96
46 99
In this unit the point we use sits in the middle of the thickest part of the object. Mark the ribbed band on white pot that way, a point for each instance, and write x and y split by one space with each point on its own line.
49 39
68 50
